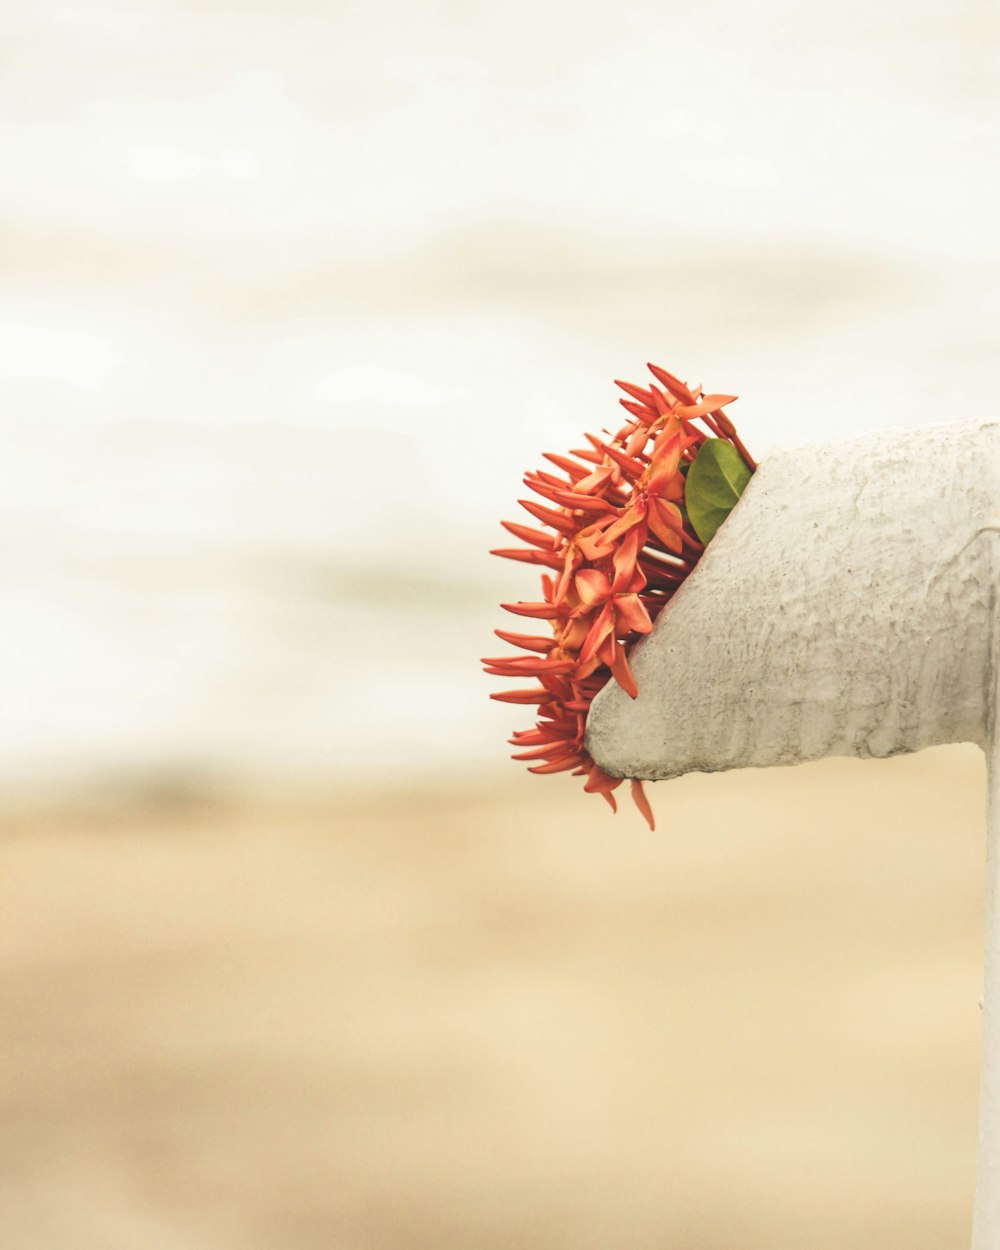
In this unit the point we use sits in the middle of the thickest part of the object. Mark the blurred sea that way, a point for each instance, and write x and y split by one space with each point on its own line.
293 294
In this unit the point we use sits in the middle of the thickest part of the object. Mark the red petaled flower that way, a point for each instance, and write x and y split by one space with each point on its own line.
616 544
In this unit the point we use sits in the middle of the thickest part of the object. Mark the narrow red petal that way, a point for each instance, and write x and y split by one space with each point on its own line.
556 766
674 385
599 631
630 467
637 392
570 467
537 538
637 442
528 666
598 781
539 611
622 673
529 555
549 751
704 407
632 516
536 694
558 520
642 803
645 413
630 615
593 481
529 642
624 560
582 503
668 534
592 457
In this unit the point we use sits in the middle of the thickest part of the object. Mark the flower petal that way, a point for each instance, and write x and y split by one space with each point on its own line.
674 385
535 694
529 555
529 642
642 803
624 560
540 611
556 766
668 534
631 516
592 586
622 673
599 631
537 538
593 481
558 520
637 392
705 406
598 781
631 616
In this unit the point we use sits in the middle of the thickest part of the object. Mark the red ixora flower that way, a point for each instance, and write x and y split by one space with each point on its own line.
616 545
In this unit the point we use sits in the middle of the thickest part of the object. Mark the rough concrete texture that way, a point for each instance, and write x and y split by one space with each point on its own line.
844 608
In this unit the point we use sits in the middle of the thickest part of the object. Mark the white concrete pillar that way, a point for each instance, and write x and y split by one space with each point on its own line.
848 606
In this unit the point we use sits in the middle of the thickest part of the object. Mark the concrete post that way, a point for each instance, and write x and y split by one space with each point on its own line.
848 606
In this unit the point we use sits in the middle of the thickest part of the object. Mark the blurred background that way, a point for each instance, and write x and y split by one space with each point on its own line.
289 953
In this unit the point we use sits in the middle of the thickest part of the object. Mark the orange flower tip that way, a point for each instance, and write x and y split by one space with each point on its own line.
645 414
631 468
591 456
642 803
609 798
528 642
660 401
575 471
548 751
554 766
539 611
558 520
580 503
528 555
536 695
527 534
622 673
517 660
527 666
637 392
674 385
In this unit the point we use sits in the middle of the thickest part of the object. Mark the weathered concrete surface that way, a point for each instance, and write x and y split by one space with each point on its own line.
847 607
843 609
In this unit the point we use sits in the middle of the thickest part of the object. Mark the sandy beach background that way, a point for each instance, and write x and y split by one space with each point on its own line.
481 1014
292 295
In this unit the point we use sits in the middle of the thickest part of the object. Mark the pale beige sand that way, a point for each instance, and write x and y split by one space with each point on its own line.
495 1017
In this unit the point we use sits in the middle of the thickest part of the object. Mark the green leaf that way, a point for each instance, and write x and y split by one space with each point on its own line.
718 477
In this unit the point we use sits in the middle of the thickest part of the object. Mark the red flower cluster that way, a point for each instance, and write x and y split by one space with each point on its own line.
617 545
